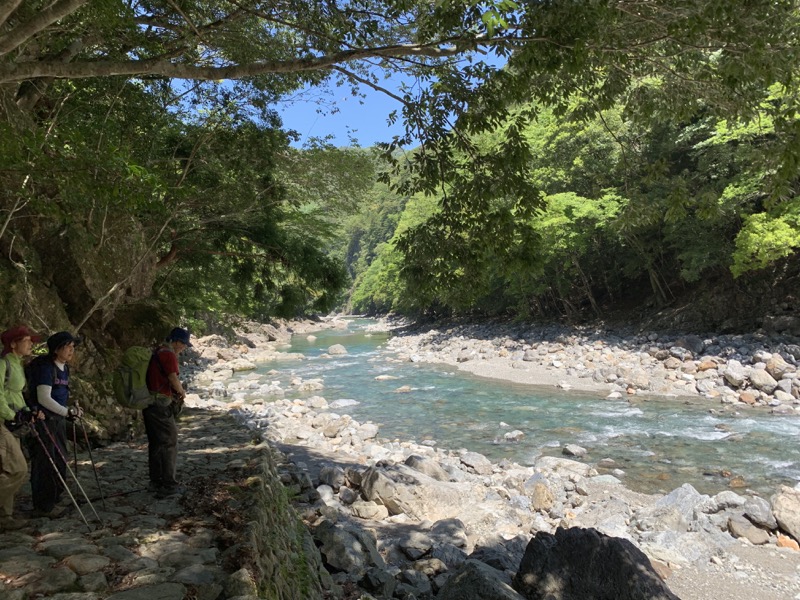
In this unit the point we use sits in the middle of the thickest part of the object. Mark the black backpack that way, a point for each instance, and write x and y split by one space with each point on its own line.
8 372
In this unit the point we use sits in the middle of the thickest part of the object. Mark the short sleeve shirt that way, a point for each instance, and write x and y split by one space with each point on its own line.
157 377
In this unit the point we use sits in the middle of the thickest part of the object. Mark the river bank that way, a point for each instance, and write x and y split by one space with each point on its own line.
706 547
754 369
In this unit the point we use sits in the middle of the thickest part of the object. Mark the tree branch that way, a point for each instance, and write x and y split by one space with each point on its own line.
30 92
119 284
163 68
6 8
369 83
22 33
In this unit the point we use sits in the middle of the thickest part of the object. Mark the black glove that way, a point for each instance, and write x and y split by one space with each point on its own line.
12 425
24 416
74 412
20 425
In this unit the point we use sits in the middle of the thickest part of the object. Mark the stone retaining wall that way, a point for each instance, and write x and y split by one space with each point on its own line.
285 561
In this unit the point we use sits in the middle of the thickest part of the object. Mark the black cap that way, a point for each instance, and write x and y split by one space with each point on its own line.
62 338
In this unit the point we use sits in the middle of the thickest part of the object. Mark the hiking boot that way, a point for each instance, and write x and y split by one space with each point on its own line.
165 491
53 513
11 524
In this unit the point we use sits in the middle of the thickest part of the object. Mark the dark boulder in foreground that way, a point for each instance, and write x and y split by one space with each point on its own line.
475 580
578 564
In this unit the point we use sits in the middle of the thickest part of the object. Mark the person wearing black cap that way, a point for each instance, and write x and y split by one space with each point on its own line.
159 418
50 378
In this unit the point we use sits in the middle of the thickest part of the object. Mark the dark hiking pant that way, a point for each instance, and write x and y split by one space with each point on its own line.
46 487
162 440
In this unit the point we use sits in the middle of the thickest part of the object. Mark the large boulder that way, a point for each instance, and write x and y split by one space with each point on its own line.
763 381
347 548
476 462
562 466
735 373
786 508
404 490
777 367
428 466
759 512
575 564
475 580
691 342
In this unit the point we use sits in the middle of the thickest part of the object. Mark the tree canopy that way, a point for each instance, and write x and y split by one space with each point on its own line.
715 48
164 109
629 214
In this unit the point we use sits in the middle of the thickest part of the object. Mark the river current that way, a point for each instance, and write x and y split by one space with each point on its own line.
659 444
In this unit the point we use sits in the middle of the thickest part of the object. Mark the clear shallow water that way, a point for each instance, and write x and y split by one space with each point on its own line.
660 444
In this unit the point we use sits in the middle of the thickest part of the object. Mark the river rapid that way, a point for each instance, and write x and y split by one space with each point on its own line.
656 443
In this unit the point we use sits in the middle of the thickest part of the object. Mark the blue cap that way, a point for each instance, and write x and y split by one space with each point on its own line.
179 334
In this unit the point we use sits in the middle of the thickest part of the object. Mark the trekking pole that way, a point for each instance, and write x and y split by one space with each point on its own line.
57 472
66 464
91 458
75 451
124 493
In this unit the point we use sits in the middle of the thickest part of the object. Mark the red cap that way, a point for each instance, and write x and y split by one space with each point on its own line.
17 333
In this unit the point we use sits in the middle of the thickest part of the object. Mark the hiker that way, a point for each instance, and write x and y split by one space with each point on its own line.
49 376
159 418
17 344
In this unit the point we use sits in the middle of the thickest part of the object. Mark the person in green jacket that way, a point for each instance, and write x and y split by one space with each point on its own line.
17 343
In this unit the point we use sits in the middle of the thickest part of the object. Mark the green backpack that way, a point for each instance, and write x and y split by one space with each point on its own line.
129 380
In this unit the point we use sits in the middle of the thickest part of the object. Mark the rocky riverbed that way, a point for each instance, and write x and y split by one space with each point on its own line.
722 546
756 369
393 518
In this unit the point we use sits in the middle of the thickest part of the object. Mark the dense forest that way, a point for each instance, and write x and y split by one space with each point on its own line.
629 215
560 160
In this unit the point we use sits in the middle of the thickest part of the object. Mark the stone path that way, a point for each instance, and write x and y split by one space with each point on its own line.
147 548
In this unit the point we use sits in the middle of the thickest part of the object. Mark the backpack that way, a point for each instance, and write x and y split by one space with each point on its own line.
129 380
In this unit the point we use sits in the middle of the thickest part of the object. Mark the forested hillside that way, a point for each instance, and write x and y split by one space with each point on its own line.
631 215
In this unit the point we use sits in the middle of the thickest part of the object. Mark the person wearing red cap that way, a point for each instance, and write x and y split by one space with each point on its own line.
17 343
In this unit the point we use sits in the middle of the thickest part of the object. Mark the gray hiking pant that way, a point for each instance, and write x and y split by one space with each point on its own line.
162 448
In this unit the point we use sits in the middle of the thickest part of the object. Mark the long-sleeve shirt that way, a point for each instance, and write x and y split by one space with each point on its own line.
11 399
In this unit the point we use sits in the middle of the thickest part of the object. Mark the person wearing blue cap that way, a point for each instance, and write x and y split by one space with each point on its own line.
159 418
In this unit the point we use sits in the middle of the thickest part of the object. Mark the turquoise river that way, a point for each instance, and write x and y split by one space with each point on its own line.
658 443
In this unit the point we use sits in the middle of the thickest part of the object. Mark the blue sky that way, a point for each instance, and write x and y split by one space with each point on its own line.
342 115
335 111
